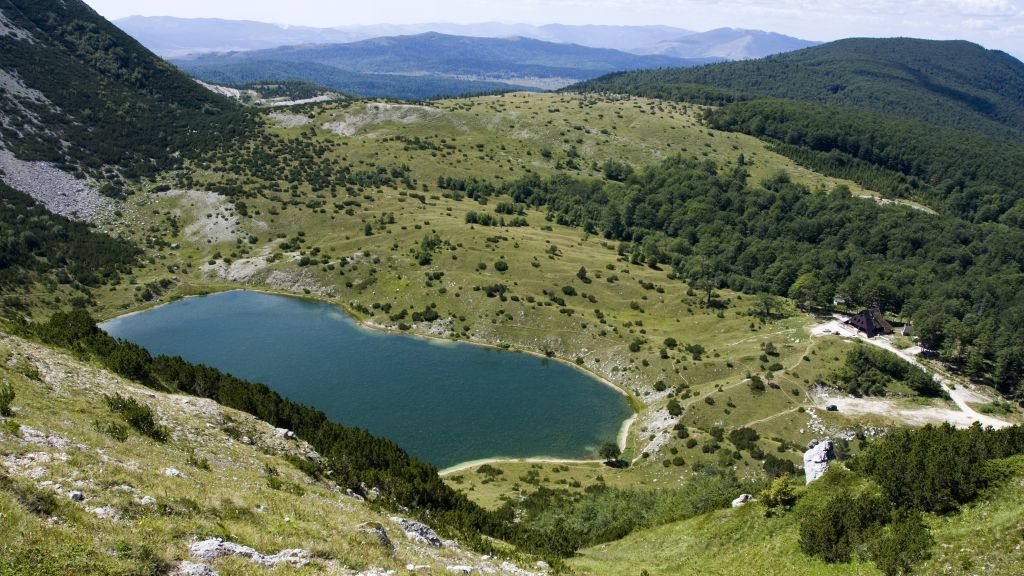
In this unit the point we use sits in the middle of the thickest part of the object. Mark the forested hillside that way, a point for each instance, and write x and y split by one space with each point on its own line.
960 283
80 92
937 122
969 175
954 84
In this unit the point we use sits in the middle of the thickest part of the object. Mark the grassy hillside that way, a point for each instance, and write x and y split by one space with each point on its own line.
954 84
746 541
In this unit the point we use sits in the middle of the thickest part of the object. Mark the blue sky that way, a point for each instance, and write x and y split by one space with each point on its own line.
992 23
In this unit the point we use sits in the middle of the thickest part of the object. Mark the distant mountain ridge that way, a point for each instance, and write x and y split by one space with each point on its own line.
176 37
495 62
728 43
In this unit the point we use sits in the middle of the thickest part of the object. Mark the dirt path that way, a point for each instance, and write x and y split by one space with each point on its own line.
964 416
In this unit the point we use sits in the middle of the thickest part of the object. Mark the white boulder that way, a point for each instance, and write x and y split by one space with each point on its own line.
741 500
816 459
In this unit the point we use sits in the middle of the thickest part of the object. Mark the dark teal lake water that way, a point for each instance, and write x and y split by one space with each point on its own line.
443 402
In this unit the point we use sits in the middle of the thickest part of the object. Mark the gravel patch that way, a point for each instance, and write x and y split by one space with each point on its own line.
8 28
286 120
11 83
378 112
59 191
313 100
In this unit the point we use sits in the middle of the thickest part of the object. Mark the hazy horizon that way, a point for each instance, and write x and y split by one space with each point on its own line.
996 24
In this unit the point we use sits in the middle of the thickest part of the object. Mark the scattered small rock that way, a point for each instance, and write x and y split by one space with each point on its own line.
186 568
146 501
106 513
377 529
285 433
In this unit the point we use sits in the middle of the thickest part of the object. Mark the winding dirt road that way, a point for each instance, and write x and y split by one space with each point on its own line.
963 417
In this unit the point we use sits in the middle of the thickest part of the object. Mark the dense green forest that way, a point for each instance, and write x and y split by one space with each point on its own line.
37 245
968 175
948 83
961 284
103 100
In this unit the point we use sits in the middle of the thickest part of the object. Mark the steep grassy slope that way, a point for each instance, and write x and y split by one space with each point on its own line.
746 541
221 473
79 91
955 84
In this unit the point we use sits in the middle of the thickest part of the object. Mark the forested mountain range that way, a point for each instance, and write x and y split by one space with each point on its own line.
176 37
728 43
515 61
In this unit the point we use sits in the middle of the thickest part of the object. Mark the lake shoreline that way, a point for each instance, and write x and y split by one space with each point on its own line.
621 437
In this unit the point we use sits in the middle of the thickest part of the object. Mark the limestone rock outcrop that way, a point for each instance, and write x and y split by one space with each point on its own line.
816 459
418 532
214 548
